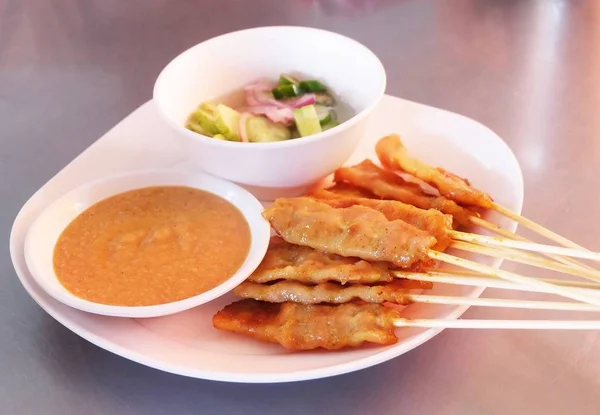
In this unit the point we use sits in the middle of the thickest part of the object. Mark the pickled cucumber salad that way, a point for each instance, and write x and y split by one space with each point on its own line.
269 112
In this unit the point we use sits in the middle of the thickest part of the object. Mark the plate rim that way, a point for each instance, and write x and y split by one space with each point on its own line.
304 375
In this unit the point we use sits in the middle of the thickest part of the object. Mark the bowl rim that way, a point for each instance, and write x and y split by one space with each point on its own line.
259 240
357 118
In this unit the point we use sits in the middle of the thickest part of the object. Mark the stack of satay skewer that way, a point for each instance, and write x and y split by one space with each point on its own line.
374 239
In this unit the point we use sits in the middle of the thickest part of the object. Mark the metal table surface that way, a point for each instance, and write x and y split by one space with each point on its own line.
530 70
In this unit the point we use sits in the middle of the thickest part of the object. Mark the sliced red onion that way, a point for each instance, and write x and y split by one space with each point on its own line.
261 102
275 114
242 127
251 96
275 103
281 115
258 109
301 101
260 94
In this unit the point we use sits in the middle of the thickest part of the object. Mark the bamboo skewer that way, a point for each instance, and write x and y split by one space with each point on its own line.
536 227
475 279
501 324
505 303
528 246
482 223
525 258
510 276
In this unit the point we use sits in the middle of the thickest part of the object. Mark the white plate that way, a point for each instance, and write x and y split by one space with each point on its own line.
185 343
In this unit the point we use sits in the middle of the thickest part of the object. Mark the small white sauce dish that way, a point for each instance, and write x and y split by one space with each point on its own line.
47 228
227 63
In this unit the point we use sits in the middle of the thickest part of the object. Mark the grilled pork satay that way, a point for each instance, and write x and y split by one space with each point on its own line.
302 263
356 231
394 156
327 292
307 327
432 221
347 189
388 185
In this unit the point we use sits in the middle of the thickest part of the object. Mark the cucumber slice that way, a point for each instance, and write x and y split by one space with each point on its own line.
324 113
285 91
307 120
209 106
205 119
287 80
227 122
262 130
195 127
312 86
330 125
324 99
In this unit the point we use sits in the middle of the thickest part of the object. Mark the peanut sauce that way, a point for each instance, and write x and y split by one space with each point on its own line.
151 246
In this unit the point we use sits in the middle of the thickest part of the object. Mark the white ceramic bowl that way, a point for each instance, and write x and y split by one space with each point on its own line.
47 228
229 62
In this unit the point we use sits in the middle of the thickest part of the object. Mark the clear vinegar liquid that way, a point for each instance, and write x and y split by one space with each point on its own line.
342 110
